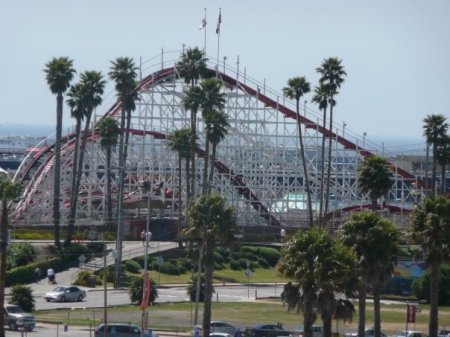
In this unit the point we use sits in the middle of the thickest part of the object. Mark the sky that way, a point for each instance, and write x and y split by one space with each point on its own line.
396 52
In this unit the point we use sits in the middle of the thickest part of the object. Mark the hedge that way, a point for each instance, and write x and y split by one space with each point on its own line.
25 274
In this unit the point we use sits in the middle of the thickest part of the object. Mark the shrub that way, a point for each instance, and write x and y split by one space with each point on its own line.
250 249
421 286
22 296
136 290
19 254
243 263
263 263
271 255
132 266
237 255
191 289
141 260
234 265
218 258
169 269
225 253
25 274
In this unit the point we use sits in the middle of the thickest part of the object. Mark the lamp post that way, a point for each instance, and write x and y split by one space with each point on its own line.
145 279
343 129
224 59
364 139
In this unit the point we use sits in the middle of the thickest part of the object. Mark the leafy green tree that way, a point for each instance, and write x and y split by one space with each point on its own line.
59 74
109 132
332 76
421 286
8 192
434 129
430 221
191 289
297 87
209 221
136 290
321 268
22 296
20 254
375 179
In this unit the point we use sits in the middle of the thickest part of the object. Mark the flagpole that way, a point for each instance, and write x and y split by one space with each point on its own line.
219 21
204 50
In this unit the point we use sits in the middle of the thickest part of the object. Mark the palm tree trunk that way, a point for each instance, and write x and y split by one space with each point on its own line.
108 187
327 325
376 308
434 168
322 170
57 170
443 180
308 315
127 138
362 309
209 268
305 168
188 172
180 186
434 293
4 235
211 171
205 170
327 193
193 139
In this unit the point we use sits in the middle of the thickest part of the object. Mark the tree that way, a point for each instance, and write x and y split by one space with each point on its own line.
332 75
297 87
216 124
321 268
375 179
91 86
209 221
213 100
123 72
322 98
373 240
421 286
434 129
59 74
136 290
8 191
430 221
22 296
191 289
443 159
109 132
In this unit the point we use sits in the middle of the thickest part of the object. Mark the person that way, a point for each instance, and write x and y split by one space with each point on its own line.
143 237
282 234
51 276
148 237
37 274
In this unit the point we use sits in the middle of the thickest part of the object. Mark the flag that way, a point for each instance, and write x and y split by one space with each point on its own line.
219 21
203 24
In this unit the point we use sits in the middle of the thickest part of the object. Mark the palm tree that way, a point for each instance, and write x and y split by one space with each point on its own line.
297 87
179 141
92 87
365 233
109 132
321 268
8 191
443 160
431 223
123 72
213 100
216 125
192 65
210 221
322 98
434 128
192 99
130 106
59 74
375 179
332 75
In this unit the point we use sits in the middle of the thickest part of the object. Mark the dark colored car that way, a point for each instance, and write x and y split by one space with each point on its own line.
265 330
15 317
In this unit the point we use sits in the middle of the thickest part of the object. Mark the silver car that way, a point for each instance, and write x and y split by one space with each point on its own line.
367 333
65 293
216 326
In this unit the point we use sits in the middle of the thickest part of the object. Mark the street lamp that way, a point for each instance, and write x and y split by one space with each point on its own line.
343 129
224 59
364 139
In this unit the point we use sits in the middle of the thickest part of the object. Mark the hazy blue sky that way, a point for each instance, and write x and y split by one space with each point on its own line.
396 52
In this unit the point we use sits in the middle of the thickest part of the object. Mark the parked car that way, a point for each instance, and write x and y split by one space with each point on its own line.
216 326
220 334
367 333
15 317
65 293
121 330
298 331
444 333
265 330
410 334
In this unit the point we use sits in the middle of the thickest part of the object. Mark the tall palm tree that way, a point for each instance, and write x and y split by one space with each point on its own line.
318 265
59 74
8 192
92 88
443 160
322 98
364 232
216 127
109 133
192 99
179 141
123 72
130 106
435 127
297 87
431 223
213 100
375 179
332 75
192 65
211 221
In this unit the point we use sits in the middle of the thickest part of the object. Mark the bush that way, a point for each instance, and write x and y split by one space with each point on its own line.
421 286
243 263
250 249
271 255
191 289
234 265
263 263
132 266
136 290
25 274
218 258
19 254
22 296
169 269
224 253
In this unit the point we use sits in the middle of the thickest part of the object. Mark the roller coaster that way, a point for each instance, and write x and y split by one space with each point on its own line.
258 165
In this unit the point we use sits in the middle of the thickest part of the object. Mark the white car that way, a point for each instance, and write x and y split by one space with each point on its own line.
367 333
410 334
298 331
216 327
63 293
444 333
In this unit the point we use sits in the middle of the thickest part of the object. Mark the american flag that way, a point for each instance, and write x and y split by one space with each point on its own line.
219 21
203 24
